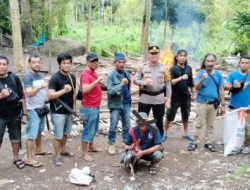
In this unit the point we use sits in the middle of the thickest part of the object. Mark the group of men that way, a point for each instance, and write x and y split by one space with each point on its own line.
161 90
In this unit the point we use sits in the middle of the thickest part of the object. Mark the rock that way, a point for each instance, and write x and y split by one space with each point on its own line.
187 174
107 178
59 46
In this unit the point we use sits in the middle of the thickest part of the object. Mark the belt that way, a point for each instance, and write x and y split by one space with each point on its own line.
150 93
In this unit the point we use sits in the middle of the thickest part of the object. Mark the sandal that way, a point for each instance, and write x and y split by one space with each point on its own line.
153 170
19 164
210 147
58 161
35 165
67 153
192 146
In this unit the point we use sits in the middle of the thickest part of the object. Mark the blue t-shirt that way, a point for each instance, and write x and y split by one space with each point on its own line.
242 98
125 90
208 91
148 139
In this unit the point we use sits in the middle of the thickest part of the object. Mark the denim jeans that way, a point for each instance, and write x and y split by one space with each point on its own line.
62 125
34 126
115 115
90 117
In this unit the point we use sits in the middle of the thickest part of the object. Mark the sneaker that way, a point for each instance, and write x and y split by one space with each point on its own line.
111 149
245 150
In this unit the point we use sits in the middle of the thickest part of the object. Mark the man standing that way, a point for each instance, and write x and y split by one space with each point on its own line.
155 87
11 96
90 105
210 94
182 84
62 89
36 95
119 100
146 142
238 82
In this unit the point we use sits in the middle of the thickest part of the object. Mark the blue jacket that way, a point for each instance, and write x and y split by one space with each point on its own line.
115 95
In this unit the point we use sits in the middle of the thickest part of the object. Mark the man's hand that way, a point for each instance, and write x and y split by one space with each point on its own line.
124 82
184 77
139 154
236 84
67 88
99 79
148 82
5 93
204 76
167 103
192 97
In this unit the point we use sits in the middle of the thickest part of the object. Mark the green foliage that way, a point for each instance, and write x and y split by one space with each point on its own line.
108 38
5 23
240 27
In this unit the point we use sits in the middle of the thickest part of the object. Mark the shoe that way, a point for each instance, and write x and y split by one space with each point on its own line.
111 149
245 150
164 138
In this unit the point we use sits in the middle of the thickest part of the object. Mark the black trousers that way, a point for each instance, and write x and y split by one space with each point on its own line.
158 113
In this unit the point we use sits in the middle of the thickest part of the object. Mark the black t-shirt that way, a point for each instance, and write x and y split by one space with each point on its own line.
9 110
181 89
57 82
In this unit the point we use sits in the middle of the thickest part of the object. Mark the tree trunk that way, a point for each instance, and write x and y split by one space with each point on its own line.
27 23
89 26
145 29
16 35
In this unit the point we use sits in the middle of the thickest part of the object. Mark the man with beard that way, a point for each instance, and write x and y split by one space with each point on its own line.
36 95
119 100
238 82
210 94
62 88
11 96
182 84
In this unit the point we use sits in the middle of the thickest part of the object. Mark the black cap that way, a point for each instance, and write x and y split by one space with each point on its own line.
153 49
92 57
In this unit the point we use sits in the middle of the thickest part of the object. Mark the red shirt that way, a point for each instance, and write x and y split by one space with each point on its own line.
93 98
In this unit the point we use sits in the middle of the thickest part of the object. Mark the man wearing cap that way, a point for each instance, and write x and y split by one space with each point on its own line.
92 96
146 142
155 87
119 100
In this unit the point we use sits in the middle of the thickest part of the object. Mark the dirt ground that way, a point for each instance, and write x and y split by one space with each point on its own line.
180 169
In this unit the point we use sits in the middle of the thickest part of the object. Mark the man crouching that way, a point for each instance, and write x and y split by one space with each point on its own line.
145 140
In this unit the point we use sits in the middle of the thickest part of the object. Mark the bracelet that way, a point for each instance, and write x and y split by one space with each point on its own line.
24 114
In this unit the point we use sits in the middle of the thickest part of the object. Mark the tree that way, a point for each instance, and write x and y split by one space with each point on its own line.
145 29
89 26
27 24
16 35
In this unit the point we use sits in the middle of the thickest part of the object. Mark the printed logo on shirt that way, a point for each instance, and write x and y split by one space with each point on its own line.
150 136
